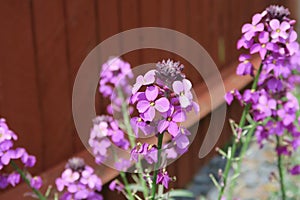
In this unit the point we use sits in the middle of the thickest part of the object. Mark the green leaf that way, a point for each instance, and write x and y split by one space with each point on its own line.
180 193
135 187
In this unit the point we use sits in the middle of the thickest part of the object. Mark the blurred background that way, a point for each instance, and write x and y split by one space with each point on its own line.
43 44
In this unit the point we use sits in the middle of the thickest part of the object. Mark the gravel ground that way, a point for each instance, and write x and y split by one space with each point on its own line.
255 181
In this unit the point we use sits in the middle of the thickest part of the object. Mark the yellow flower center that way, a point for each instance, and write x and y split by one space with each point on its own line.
278 30
263 45
152 104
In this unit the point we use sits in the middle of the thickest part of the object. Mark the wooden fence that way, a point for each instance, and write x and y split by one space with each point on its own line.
43 44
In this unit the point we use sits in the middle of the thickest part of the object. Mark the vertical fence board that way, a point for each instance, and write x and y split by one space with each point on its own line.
53 78
81 33
19 79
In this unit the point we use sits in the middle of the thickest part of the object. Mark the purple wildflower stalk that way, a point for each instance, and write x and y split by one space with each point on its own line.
27 181
270 103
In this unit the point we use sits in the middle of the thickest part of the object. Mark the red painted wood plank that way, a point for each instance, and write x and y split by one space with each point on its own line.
20 101
53 81
80 22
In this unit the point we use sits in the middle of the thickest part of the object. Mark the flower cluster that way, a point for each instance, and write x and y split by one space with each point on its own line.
9 154
106 131
271 34
162 98
162 104
79 181
114 77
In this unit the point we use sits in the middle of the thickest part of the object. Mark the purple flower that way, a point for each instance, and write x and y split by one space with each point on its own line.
291 44
90 179
245 67
264 45
295 170
147 79
3 181
114 73
122 164
171 118
36 182
229 96
163 178
79 181
149 152
138 123
13 179
244 43
272 104
183 90
250 30
182 141
150 103
279 29
265 106
115 185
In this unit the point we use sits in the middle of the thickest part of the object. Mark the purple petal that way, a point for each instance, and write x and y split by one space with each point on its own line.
182 142
263 53
293 36
259 27
246 28
162 125
184 101
244 57
274 24
138 84
162 104
149 77
173 129
151 93
256 18
178 87
263 37
179 116
295 170
240 70
228 97
285 26
249 35
142 106
149 114
187 85
255 48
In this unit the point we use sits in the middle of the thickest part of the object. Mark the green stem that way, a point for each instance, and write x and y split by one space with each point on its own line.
159 145
125 181
26 180
234 146
281 171
241 156
131 138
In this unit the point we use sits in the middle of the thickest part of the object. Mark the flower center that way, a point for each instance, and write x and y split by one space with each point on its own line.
152 103
181 93
278 30
263 45
246 61
139 119
169 119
